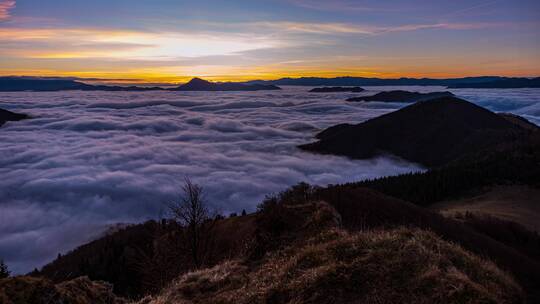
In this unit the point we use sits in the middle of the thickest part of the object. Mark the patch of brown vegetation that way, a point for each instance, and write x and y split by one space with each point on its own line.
25 290
335 266
516 203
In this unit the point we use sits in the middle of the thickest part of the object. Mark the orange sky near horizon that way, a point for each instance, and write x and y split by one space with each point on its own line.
164 78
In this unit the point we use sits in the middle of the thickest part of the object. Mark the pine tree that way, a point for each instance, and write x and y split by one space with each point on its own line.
4 272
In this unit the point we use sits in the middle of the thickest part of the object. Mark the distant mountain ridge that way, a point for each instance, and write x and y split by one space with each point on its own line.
511 83
21 84
402 96
18 84
51 84
363 81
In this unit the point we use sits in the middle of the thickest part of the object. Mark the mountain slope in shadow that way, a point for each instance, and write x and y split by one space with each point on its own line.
431 133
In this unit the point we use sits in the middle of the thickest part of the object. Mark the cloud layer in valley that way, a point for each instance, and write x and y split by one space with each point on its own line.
91 159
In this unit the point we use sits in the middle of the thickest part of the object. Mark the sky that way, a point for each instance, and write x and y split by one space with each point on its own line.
172 40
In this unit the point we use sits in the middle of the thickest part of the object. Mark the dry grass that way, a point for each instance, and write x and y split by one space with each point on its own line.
31 290
516 203
393 266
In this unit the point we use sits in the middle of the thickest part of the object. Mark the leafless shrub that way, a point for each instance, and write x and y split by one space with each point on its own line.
197 221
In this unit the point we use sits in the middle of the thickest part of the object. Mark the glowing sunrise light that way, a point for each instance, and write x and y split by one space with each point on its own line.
173 45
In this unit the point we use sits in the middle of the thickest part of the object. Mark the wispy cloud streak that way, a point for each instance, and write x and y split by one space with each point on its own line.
337 5
349 28
5 7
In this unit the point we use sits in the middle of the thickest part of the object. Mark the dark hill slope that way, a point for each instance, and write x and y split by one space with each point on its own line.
289 217
197 84
431 133
114 258
6 115
510 83
520 121
362 208
513 162
143 258
401 96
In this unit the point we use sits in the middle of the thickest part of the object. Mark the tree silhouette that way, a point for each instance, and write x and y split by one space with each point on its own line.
4 272
193 214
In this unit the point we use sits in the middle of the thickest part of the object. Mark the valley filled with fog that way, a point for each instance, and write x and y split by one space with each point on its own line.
88 160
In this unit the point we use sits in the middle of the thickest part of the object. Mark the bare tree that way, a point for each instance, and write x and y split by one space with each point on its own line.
4 272
193 214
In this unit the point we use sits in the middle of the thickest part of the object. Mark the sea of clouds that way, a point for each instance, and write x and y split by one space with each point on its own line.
88 160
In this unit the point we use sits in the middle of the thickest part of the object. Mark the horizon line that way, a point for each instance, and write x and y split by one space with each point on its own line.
140 81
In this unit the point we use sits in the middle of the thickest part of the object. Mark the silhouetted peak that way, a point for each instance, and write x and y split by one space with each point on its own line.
198 84
198 81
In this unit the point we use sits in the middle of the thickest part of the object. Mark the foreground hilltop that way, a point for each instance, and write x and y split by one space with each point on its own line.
145 258
394 266
308 245
431 133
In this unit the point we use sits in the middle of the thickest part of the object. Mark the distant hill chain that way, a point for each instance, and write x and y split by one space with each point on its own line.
510 83
15 84
466 82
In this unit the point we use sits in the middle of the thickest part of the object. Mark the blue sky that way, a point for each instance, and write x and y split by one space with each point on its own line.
166 40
